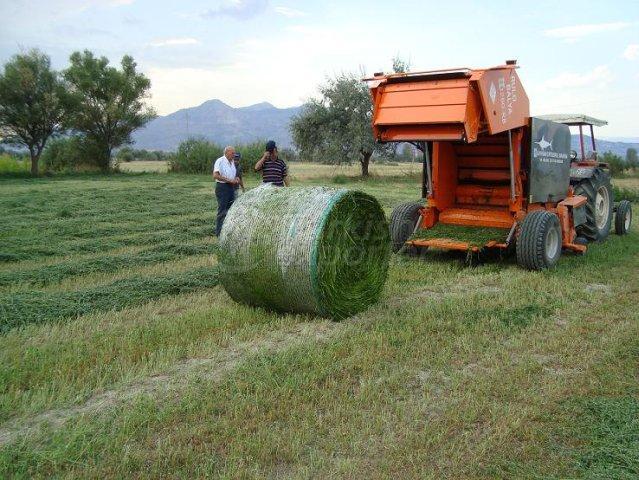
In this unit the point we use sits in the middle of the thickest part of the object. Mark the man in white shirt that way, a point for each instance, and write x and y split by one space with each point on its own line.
225 176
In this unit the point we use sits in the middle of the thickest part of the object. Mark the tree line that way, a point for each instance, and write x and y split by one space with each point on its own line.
98 104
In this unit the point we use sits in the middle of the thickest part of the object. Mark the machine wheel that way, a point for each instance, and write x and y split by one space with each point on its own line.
402 224
598 191
539 241
623 218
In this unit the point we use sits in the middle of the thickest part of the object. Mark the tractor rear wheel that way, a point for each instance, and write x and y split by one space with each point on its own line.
403 221
539 241
598 191
623 218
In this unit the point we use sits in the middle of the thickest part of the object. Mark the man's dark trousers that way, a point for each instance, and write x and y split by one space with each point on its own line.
225 194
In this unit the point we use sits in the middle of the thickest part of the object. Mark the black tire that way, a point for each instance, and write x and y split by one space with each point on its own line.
623 218
588 187
402 224
539 241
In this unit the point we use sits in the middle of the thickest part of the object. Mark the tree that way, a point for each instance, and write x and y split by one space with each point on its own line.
631 158
615 163
32 103
337 127
108 104
400 65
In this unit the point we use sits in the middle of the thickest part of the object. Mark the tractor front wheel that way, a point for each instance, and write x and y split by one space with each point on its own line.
598 191
623 218
403 222
539 241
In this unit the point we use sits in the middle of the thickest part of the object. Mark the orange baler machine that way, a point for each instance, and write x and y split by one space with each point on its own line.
474 129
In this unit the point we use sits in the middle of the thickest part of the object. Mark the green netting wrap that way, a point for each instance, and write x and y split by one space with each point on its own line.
312 250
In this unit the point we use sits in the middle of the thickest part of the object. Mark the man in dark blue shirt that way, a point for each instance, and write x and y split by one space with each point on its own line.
274 170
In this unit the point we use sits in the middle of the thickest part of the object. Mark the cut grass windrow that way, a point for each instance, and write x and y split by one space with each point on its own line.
93 245
38 307
51 274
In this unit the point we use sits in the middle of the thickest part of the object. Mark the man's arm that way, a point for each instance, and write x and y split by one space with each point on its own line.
260 162
222 178
287 181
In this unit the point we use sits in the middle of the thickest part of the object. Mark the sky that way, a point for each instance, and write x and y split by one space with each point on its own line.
575 56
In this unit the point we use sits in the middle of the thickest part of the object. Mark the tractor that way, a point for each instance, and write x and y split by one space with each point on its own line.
493 177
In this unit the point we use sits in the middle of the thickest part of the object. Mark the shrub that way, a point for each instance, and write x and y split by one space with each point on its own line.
69 154
195 156
615 162
11 166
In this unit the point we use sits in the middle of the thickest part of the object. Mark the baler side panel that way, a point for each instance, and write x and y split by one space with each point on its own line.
504 99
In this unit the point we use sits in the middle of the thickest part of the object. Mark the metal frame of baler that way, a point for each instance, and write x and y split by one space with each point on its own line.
518 206
467 128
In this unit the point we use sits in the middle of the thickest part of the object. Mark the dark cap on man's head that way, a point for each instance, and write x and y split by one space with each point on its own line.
270 146
237 156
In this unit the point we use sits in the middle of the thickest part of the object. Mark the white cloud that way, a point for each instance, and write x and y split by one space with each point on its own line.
171 42
239 9
598 77
117 3
574 33
319 51
289 12
631 52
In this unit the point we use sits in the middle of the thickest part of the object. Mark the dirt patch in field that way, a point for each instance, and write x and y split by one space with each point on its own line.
175 379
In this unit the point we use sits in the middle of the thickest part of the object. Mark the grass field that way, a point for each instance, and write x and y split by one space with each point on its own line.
120 356
300 171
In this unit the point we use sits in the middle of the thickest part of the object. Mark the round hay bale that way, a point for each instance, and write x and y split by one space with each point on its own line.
312 250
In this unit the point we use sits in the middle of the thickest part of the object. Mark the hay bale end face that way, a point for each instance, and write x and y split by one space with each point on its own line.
311 250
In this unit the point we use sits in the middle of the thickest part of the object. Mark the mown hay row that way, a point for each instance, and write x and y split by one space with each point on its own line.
24 308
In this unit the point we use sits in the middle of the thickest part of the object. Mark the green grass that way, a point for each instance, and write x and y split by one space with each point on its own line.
474 236
55 273
458 372
23 308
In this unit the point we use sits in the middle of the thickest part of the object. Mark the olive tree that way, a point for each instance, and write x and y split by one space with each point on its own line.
108 104
336 127
32 103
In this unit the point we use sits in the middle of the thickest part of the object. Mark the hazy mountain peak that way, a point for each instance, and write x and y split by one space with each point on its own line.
259 106
218 122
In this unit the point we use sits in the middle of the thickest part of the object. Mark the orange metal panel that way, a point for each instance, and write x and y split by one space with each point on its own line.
483 175
423 97
574 201
484 217
483 162
431 84
500 191
482 150
416 115
504 99
427 132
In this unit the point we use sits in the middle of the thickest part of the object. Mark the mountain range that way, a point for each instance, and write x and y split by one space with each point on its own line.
226 125
216 121
618 148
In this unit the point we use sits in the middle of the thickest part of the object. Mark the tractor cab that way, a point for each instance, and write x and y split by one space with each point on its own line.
586 156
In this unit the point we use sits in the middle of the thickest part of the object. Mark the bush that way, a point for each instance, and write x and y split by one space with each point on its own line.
615 162
626 194
14 166
69 154
251 153
128 154
195 156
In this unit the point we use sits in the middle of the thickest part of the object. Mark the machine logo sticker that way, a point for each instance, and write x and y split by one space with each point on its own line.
544 144
546 154
493 92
